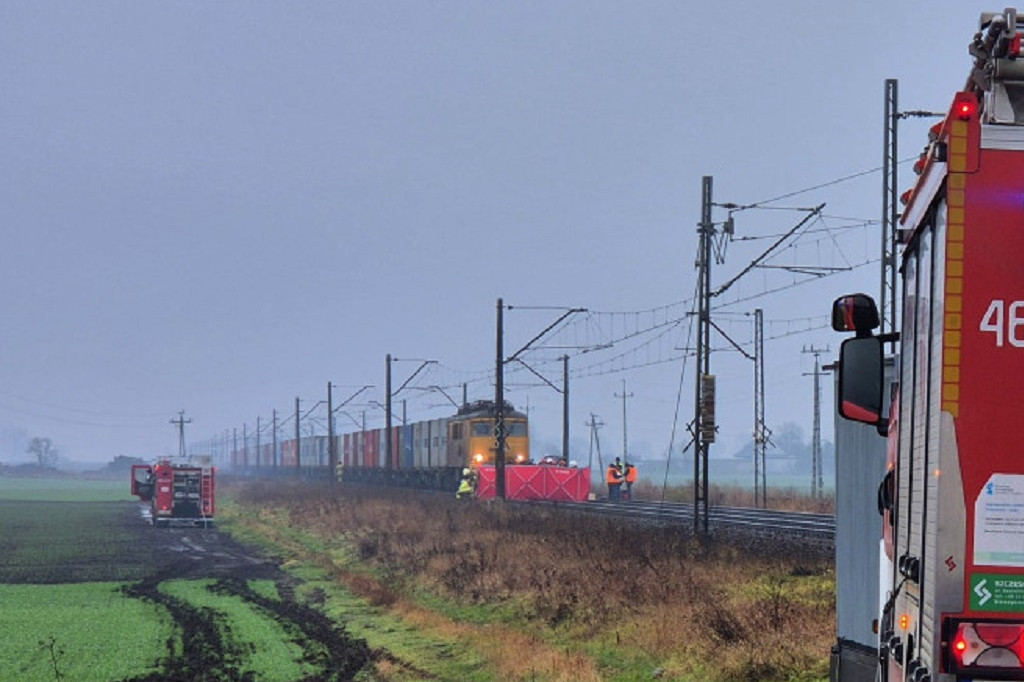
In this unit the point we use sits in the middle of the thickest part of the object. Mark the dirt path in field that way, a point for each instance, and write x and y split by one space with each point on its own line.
207 652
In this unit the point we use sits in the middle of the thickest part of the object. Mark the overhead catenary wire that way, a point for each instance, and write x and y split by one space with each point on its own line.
617 341
823 185
617 363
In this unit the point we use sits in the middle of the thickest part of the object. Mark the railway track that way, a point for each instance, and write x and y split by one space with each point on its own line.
817 528
820 527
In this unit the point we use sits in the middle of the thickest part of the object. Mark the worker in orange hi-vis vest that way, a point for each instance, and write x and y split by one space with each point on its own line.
630 479
613 477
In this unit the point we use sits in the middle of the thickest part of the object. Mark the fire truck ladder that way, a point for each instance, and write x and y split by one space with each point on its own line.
206 493
998 73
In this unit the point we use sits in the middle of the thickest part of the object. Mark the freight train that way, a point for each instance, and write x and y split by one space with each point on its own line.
430 454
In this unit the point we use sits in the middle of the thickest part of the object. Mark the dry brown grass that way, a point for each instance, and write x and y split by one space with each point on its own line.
697 608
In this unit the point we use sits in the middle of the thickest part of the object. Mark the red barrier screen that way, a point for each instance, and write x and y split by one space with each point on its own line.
537 482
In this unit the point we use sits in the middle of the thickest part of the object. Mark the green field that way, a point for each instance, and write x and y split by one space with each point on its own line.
63 542
96 632
90 592
63 611
63 490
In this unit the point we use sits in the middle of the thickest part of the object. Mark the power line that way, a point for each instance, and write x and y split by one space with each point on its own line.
641 330
80 410
75 422
635 335
830 183
793 285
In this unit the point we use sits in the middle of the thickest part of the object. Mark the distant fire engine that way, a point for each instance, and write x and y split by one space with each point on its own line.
952 607
179 494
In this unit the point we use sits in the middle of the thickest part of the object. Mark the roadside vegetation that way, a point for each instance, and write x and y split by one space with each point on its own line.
393 586
541 594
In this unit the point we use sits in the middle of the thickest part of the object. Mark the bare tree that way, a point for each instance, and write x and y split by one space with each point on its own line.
44 452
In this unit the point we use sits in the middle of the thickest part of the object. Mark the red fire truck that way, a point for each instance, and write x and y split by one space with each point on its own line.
952 607
179 494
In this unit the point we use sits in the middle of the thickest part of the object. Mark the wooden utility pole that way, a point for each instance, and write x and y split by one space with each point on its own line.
180 423
594 425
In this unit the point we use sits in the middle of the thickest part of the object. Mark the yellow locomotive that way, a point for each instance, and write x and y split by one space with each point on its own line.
471 436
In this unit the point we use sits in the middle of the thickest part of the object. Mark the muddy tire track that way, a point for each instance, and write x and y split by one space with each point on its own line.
324 643
208 651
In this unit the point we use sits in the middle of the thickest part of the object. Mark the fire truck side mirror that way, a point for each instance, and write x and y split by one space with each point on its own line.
861 379
855 313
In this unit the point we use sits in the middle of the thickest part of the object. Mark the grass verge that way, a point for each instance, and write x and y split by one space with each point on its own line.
538 595
408 643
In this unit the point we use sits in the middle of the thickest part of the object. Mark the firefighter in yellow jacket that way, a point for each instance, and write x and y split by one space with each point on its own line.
467 486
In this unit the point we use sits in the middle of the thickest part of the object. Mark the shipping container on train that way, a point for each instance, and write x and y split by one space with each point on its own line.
428 454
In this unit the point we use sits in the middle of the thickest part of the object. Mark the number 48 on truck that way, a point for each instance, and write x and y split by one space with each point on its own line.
952 500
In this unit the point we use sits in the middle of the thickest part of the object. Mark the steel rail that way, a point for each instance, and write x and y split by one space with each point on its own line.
821 526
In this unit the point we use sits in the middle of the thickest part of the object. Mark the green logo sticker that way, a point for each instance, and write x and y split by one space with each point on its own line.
997 592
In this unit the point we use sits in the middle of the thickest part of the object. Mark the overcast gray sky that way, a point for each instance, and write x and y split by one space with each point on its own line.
218 207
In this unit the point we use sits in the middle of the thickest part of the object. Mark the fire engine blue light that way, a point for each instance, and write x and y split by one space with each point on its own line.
1006 198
